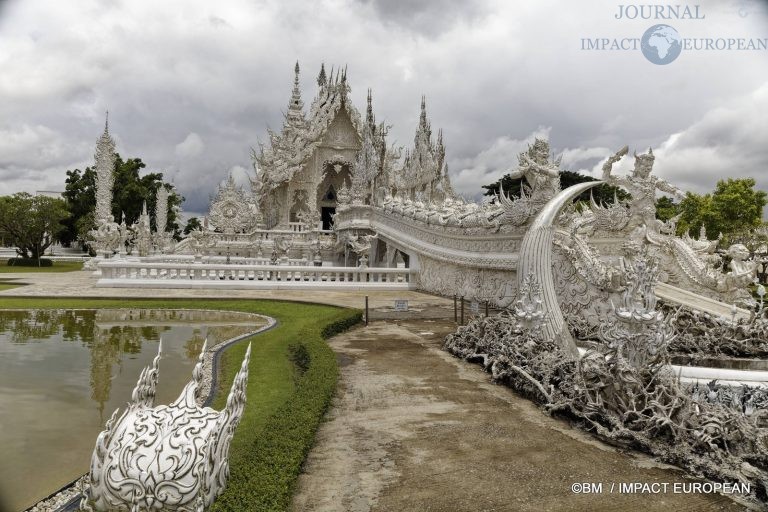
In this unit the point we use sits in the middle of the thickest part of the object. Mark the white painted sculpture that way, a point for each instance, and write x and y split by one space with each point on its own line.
168 457
162 238
105 238
105 173
142 233
231 210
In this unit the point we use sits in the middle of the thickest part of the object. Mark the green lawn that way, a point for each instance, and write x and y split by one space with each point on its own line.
58 266
284 406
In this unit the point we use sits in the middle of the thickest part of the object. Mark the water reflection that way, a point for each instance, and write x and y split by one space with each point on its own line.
62 372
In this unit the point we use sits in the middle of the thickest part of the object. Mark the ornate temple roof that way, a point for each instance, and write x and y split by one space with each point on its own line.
290 149
424 163
423 169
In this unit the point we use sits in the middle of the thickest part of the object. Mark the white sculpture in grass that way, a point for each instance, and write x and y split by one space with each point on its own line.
170 457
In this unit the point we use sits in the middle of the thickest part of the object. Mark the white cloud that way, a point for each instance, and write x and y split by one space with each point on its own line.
728 141
190 147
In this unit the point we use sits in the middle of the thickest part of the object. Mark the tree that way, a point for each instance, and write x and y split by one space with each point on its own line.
737 206
666 208
32 223
128 196
734 208
192 224
603 194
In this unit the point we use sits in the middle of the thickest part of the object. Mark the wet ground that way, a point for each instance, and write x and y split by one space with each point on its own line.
413 428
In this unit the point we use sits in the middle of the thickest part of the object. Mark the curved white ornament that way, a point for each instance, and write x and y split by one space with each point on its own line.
536 259
170 457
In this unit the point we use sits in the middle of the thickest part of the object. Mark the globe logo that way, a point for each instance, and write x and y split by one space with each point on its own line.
661 44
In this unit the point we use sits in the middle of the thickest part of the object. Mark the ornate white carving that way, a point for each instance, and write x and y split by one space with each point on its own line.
105 168
170 457
107 236
231 211
142 233
536 258
642 185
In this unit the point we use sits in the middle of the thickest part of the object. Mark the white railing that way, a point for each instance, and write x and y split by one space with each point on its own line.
298 227
217 260
207 275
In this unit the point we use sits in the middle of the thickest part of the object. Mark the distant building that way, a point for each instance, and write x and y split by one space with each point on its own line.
50 193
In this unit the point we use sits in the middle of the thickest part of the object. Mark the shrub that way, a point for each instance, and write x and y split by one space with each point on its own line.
30 262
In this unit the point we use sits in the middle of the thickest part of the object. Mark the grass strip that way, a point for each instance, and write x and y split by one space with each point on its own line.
58 266
267 454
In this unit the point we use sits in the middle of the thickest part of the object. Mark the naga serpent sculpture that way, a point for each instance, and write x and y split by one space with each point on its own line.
536 258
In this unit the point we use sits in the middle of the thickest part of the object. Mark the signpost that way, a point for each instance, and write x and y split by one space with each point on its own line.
401 305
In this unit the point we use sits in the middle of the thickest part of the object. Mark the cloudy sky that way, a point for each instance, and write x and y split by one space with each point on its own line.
191 85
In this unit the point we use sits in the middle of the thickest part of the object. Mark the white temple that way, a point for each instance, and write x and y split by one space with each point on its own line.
332 202
304 168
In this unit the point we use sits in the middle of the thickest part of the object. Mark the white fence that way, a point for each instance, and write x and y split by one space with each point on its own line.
138 274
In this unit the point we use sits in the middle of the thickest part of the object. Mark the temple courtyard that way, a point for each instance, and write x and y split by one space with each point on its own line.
412 427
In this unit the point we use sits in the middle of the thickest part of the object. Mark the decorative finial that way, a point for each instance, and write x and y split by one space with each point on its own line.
369 111
295 105
321 78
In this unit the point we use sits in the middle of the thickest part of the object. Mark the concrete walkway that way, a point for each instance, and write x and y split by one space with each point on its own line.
413 428
82 284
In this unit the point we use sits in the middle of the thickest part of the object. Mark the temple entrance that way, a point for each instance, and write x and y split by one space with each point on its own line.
336 174
326 213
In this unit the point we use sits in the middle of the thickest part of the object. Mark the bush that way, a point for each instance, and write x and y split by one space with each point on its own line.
265 468
29 262
300 358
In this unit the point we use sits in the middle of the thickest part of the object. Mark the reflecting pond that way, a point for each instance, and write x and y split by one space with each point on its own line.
63 373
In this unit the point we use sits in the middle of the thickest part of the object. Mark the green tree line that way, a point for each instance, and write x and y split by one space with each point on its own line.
734 208
130 191
33 223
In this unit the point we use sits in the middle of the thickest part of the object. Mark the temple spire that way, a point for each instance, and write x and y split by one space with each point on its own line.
423 119
104 166
296 103
295 115
369 111
321 78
